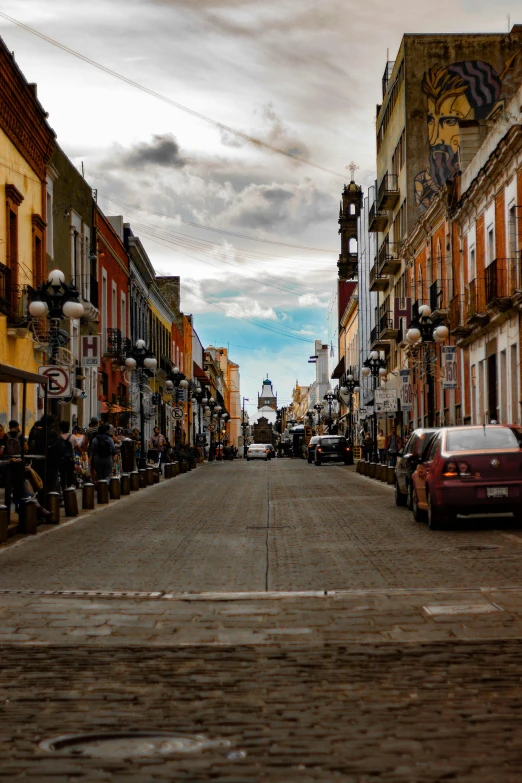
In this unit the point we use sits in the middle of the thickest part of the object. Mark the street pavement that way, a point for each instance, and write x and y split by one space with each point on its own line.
292 614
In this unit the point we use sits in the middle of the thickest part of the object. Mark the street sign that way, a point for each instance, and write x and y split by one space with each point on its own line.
156 398
385 400
211 427
59 380
308 432
177 414
406 391
449 367
90 350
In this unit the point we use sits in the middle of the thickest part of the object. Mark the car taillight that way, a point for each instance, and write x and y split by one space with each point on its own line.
348 448
319 448
450 470
455 469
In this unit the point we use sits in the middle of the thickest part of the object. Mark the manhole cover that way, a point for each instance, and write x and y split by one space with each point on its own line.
139 744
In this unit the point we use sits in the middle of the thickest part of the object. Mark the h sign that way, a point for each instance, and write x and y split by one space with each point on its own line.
90 350
401 309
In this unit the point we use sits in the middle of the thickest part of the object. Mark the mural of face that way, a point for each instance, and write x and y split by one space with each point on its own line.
461 91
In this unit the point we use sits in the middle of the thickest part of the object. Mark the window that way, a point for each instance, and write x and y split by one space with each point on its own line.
514 385
434 449
512 229
104 311
472 267
114 306
49 213
399 155
13 200
38 228
123 316
491 245
481 438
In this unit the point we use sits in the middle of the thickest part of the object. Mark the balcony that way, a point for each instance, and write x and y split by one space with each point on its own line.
388 258
389 193
439 297
347 266
501 283
378 343
387 331
378 282
456 317
114 349
377 220
475 304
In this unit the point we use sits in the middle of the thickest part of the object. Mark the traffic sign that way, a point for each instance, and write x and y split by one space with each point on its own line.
211 427
177 414
59 380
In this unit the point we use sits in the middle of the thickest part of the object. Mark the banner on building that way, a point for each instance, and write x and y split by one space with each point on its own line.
401 309
450 374
406 391
90 350
385 400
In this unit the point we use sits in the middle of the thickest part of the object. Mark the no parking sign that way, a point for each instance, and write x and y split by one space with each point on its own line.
59 380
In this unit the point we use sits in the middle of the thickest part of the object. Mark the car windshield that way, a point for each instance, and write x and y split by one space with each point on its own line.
483 438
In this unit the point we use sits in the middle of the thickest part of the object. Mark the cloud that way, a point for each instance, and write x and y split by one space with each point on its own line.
311 300
249 309
163 150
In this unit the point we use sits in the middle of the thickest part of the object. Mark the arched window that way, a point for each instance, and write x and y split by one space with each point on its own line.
352 246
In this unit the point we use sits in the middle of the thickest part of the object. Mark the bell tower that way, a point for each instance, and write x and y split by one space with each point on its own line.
349 212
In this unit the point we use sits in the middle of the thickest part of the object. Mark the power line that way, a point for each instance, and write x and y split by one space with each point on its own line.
217 230
138 86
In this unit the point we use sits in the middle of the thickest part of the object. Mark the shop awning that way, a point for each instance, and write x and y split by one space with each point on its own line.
10 374
339 370
199 373
109 408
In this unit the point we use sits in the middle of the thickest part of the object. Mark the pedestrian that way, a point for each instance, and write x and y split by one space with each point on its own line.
3 441
157 443
103 451
67 464
14 443
381 446
367 446
393 445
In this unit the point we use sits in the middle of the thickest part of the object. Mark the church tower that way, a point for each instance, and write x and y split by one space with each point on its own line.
349 212
267 398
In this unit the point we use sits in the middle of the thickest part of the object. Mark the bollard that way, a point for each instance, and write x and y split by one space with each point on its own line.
193 464
149 475
134 481
52 504
371 470
391 475
103 491
182 466
27 517
167 470
3 524
114 488
156 476
175 469
125 484
366 465
88 496
378 468
358 468
70 502
188 463
384 473
143 477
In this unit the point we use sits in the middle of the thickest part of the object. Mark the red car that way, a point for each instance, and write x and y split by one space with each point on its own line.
469 470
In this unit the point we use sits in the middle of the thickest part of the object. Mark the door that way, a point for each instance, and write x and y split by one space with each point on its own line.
492 388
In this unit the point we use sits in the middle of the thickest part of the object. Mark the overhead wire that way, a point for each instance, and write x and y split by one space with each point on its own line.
212 228
165 99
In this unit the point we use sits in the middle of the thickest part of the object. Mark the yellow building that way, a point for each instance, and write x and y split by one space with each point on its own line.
26 144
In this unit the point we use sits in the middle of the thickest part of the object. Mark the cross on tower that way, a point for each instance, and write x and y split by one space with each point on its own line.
353 168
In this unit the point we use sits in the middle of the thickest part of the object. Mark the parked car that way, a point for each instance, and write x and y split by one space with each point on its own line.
258 451
408 458
469 470
332 448
271 450
310 449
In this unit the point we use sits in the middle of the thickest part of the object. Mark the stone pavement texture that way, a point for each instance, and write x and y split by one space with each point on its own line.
293 611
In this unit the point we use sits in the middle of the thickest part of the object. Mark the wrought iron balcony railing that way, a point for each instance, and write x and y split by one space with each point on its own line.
389 193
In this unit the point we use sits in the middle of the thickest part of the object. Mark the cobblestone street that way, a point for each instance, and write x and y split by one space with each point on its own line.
294 614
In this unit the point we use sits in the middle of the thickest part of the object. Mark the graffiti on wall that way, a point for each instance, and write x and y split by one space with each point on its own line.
470 90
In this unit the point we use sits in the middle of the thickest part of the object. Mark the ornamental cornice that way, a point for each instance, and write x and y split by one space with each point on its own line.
22 118
13 195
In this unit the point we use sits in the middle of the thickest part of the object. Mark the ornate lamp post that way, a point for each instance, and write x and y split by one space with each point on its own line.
318 408
347 391
376 367
176 380
330 397
142 360
425 332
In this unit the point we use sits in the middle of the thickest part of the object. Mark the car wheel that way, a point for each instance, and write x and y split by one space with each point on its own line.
410 496
400 497
309 460
418 514
436 516
317 462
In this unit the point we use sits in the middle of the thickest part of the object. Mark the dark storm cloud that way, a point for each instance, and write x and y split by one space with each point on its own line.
163 151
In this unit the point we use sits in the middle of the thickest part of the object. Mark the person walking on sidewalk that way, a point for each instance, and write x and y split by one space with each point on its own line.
67 463
381 445
393 445
103 451
158 443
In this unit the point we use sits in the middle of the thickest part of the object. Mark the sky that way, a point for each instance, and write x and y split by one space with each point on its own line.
304 77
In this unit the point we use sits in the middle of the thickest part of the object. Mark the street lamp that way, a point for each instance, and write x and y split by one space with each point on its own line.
244 427
330 397
424 332
56 299
376 367
141 360
347 390
318 408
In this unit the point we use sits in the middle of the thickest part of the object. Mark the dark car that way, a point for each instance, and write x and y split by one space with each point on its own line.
408 458
469 470
332 448
310 449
